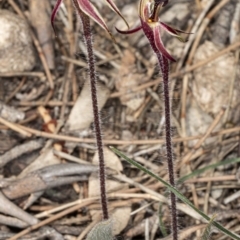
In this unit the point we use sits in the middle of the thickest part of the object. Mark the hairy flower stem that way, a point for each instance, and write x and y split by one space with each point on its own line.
97 121
164 65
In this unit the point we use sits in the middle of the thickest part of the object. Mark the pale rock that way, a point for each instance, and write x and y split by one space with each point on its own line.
16 49
197 122
211 83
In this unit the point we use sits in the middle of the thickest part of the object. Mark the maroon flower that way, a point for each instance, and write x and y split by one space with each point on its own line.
87 7
152 26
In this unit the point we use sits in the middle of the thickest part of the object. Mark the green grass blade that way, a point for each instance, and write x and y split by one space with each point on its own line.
207 231
161 224
177 193
212 166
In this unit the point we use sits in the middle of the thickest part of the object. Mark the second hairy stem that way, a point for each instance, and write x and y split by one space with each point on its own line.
97 121
164 65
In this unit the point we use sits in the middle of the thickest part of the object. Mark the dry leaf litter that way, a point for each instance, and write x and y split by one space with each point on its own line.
48 155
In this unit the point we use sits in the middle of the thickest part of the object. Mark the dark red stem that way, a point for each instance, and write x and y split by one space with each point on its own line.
97 121
164 65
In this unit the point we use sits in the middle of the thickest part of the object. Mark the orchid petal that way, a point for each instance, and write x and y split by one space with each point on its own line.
173 31
159 44
129 31
54 13
93 13
112 5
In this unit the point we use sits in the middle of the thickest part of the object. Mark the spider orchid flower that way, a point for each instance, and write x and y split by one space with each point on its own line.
152 26
87 7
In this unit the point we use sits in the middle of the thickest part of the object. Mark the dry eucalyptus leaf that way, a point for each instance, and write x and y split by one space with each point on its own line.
81 115
46 158
40 15
120 218
94 187
129 78
111 160
16 49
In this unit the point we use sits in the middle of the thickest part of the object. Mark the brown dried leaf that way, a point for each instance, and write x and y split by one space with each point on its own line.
46 158
40 19
81 115
120 218
111 160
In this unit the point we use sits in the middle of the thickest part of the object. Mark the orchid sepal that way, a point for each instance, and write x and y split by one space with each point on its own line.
130 31
93 13
174 32
112 5
88 8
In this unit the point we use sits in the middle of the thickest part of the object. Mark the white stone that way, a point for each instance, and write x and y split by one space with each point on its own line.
16 49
